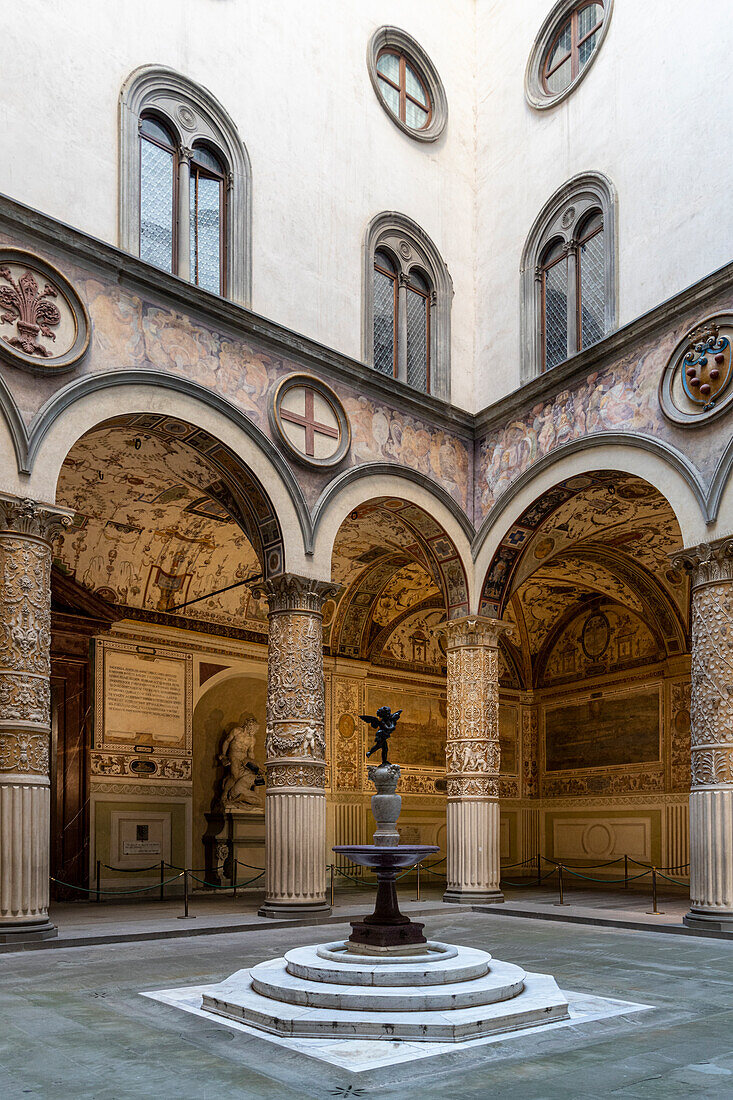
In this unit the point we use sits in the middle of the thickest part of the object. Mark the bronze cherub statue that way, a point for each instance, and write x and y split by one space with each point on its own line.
385 724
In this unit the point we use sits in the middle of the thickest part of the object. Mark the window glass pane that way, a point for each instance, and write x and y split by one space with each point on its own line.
415 117
561 48
417 280
384 322
595 221
208 159
391 97
417 340
592 291
384 260
150 127
555 320
389 65
560 79
414 87
156 205
588 18
586 48
206 232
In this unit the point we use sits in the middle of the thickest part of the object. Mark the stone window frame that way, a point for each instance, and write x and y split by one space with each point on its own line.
396 39
534 89
560 217
410 247
194 116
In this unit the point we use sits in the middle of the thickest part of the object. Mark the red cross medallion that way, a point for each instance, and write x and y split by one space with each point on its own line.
309 422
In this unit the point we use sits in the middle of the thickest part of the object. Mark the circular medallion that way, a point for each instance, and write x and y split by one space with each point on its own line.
186 116
44 326
307 417
596 636
346 726
696 384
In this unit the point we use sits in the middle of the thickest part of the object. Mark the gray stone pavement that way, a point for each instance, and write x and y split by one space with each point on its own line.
73 1023
112 921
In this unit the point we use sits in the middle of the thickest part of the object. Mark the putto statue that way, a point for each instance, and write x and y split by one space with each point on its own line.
385 724
239 788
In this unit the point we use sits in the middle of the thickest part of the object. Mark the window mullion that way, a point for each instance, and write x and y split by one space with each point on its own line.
401 328
574 46
403 89
183 246
573 285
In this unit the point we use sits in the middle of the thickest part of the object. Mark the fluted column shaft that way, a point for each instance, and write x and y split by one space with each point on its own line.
711 795
472 759
25 639
295 802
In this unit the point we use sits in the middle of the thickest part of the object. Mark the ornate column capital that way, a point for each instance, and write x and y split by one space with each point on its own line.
472 630
24 516
290 592
707 563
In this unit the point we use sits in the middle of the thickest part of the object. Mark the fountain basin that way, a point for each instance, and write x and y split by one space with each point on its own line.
379 858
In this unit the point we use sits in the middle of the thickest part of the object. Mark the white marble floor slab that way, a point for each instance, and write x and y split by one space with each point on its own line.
359 1055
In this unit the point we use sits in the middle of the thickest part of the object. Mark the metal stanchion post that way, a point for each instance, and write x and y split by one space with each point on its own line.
99 875
626 872
654 909
331 869
162 879
559 883
417 898
185 915
539 869
235 864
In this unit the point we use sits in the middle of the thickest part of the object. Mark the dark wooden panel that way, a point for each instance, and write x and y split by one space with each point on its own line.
70 720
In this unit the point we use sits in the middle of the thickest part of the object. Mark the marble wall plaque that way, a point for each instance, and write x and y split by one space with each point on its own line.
142 697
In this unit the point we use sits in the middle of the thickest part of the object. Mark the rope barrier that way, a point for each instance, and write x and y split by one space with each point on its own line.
606 881
231 886
532 883
136 890
137 870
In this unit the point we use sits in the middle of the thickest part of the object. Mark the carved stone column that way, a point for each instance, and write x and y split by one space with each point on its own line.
25 638
295 802
472 758
711 795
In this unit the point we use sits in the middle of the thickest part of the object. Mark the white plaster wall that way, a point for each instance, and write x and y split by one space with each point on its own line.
325 156
653 114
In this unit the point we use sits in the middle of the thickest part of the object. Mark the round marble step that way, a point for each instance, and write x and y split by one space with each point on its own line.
272 980
337 966
343 951
540 1002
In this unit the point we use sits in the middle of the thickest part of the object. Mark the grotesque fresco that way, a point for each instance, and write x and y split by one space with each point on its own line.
129 331
622 397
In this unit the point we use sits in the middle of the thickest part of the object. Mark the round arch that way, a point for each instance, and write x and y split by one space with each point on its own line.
359 487
661 466
88 403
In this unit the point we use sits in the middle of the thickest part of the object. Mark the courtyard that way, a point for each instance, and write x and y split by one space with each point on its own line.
75 1023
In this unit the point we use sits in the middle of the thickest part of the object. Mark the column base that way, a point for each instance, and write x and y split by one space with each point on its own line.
28 930
711 922
282 910
473 897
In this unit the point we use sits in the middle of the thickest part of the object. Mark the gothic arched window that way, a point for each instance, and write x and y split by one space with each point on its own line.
569 275
407 306
185 201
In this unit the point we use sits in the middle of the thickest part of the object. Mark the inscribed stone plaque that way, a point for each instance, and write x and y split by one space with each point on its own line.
143 697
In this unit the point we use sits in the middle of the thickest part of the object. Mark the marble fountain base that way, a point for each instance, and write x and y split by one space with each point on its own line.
444 994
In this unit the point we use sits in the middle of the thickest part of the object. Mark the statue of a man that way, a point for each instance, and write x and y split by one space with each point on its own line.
237 754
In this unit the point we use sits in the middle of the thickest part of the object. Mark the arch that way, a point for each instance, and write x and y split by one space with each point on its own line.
411 247
624 452
348 492
245 451
195 116
560 218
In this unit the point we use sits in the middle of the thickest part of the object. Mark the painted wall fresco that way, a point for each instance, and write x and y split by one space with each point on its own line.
420 736
129 330
603 732
620 396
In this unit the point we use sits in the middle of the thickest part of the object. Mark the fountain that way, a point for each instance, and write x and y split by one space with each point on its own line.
387 981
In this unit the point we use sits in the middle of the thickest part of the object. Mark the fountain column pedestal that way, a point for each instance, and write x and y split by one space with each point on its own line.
387 928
